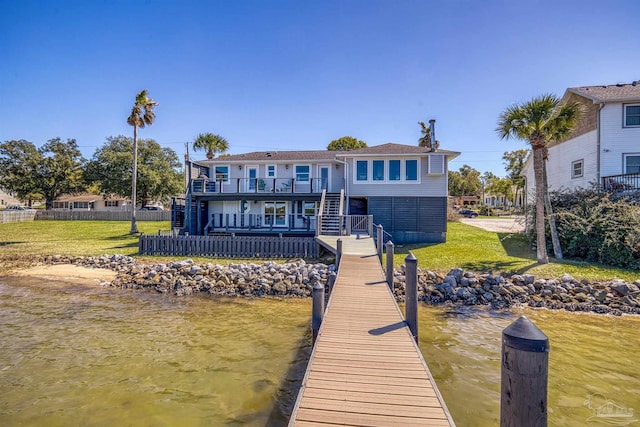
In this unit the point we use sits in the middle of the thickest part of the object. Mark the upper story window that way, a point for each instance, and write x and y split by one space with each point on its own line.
577 169
394 170
631 163
271 171
378 170
362 170
302 173
222 173
411 170
632 115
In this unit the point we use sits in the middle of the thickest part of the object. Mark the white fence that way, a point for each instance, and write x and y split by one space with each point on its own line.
17 216
77 215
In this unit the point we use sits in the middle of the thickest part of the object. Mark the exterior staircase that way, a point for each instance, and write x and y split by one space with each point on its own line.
331 219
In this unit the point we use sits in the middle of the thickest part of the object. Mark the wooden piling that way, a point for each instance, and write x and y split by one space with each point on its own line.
317 309
411 294
390 251
524 375
380 241
338 252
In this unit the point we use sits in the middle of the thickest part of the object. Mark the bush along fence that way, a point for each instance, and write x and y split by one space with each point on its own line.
229 246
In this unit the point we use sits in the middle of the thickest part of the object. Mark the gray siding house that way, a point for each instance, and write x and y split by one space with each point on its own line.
311 193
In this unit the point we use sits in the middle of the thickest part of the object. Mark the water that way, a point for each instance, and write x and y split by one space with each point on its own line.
77 355
87 355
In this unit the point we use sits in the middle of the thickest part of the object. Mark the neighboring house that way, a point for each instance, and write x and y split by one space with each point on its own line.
90 202
307 193
7 199
605 146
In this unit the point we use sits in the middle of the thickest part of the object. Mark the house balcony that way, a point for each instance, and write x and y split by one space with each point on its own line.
621 183
264 186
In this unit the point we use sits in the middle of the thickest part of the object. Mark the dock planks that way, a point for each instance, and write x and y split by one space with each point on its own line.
366 369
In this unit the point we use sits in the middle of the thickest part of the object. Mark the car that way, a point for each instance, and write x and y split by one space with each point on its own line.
151 208
18 208
468 213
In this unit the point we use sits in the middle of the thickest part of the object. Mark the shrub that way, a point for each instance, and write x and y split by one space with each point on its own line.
598 227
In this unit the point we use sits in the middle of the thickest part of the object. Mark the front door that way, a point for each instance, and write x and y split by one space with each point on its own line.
252 175
324 173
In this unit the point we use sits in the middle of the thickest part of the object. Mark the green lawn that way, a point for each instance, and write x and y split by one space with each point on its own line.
477 250
467 247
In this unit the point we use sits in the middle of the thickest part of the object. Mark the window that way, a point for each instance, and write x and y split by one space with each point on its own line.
222 173
362 169
302 173
632 115
310 208
271 171
394 170
378 170
80 205
111 203
577 168
60 205
275 213
411 170
631 163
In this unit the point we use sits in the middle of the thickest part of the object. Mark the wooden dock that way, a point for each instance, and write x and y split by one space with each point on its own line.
365 368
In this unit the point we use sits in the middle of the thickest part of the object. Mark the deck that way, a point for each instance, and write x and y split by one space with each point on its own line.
366 369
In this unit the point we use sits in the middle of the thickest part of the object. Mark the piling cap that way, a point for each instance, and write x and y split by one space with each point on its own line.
411 258
524 335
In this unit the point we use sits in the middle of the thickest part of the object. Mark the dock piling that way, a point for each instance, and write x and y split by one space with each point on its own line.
338 252
411 294
390 250
524 375
380 241
317 309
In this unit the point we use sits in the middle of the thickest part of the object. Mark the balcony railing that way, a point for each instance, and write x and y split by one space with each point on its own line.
258 185
221 222
620 183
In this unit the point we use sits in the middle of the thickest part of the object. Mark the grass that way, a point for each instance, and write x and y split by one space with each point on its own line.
477 250
467 247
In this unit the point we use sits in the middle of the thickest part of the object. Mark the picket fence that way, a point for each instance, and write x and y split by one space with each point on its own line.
17 216
229 246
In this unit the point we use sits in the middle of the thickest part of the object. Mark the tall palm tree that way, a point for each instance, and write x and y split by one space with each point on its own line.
212 143
540 121
142 114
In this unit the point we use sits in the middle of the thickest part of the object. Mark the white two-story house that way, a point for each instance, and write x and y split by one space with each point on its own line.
604 148
308 193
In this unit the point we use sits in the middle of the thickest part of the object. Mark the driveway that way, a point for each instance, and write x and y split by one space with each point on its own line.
498 224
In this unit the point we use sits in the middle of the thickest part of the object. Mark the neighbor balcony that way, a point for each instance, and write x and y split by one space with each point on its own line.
622 183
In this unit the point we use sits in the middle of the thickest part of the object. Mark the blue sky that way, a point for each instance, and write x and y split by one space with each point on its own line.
287 75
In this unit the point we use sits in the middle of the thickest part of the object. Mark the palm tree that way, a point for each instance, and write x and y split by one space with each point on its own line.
540 121
142 114
212 143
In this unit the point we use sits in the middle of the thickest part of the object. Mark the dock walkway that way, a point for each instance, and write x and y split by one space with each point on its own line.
366 369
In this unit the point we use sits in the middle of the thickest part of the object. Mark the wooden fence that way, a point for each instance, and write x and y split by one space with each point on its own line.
229 246
17 216
80 215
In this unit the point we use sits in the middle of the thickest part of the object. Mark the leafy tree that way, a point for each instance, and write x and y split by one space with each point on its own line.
51 171
540 121
465 182
142 114
499 187
514 164
346 143
211 143
18 160
425 141
158 169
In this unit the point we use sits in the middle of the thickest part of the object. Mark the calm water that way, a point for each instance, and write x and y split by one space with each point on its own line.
77 355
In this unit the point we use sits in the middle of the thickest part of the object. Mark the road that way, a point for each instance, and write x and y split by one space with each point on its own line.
498 224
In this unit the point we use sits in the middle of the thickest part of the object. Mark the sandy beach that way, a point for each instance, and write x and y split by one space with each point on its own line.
67 273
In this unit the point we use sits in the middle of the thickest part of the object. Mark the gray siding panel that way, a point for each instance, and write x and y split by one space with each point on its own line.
411 219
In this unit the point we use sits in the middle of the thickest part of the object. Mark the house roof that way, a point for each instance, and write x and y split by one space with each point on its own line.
610 93
395 149
283 156
86 197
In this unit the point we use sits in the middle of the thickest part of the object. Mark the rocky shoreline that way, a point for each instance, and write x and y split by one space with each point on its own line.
296 279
